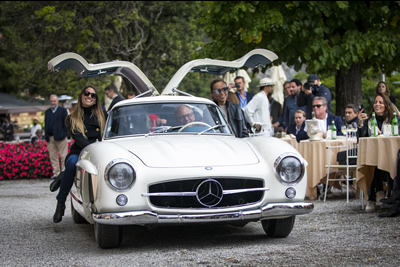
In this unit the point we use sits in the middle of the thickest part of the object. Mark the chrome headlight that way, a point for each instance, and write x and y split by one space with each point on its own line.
289 170
120 175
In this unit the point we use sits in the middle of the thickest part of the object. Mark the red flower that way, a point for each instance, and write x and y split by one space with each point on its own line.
25 160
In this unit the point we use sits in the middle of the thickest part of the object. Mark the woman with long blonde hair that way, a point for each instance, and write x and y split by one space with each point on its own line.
86 125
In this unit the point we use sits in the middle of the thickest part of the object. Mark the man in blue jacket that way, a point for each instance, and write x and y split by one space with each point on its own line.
320 108
313 89
290 106
56 134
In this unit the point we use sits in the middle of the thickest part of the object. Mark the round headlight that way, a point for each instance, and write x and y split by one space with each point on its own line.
120 175
289 169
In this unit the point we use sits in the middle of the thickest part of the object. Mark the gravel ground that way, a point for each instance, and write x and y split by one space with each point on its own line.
336 233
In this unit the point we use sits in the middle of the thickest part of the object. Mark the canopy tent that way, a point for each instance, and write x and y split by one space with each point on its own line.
10 104
279 77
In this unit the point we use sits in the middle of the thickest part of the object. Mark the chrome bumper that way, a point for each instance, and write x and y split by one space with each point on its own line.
270 210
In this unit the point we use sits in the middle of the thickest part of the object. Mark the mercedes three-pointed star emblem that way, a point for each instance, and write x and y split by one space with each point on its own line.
209 193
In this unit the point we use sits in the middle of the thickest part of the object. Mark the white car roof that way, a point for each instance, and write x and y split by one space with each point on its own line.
253 59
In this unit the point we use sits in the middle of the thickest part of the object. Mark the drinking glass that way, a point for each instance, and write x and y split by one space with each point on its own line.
344 129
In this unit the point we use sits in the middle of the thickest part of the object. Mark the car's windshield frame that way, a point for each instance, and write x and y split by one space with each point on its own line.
160 118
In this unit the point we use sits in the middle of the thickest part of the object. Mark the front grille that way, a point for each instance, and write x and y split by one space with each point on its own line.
167 198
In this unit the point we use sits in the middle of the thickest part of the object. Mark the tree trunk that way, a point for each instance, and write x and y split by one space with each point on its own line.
348 88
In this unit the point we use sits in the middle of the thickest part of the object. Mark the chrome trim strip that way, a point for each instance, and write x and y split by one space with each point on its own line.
170 194
237 191
270 210
190 194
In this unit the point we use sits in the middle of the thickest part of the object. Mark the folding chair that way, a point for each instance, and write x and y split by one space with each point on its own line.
350 164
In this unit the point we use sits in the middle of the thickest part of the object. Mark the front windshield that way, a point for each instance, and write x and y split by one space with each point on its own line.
164 118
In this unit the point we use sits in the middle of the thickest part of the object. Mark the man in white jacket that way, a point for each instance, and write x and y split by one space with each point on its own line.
36 126
257 110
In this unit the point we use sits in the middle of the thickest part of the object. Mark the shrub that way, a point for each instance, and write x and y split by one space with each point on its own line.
25 160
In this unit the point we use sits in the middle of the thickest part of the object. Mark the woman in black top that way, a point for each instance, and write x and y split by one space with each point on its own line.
86 125
382 88
384 115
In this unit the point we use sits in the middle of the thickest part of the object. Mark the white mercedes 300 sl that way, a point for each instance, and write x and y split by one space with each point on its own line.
150 169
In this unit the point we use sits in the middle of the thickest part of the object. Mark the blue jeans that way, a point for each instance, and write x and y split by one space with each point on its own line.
68 179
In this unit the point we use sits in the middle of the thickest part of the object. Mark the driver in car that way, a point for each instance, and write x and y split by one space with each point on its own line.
184 114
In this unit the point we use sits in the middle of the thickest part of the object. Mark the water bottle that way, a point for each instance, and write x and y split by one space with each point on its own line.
333 130
374 125
395 125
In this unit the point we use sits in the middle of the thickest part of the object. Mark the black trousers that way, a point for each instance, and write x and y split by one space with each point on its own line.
377 183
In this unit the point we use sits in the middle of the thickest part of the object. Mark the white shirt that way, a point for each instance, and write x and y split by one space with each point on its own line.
34 129
257 111
298 129
322 125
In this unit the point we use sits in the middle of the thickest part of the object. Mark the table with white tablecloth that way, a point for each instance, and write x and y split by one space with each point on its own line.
376 152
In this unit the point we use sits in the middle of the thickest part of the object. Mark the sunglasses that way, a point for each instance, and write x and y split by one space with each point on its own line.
92 95
317 106
218 91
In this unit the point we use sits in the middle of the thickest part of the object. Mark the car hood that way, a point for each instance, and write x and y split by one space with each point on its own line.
190 151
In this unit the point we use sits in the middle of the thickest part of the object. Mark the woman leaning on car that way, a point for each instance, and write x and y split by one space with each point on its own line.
86 125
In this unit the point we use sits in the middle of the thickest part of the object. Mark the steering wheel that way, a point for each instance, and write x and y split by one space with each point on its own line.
194 123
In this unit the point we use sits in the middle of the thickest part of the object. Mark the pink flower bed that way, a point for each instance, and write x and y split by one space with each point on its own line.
24 160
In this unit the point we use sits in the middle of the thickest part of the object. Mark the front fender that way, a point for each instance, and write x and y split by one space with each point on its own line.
94 158
270 148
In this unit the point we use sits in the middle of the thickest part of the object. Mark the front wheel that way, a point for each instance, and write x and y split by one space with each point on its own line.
76 217
107 236
278 227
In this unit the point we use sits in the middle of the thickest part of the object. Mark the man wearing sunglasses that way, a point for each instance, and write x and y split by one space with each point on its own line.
231 111
320 108
113 94
56 132
313 89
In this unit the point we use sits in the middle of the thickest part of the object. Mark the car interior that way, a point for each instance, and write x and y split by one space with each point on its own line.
148 118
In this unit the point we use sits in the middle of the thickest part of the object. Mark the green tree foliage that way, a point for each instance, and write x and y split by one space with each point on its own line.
346 38
156 36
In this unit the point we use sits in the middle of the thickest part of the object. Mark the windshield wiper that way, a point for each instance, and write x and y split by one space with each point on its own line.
213 127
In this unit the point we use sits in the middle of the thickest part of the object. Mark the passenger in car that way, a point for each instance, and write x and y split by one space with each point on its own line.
231 111
86 125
